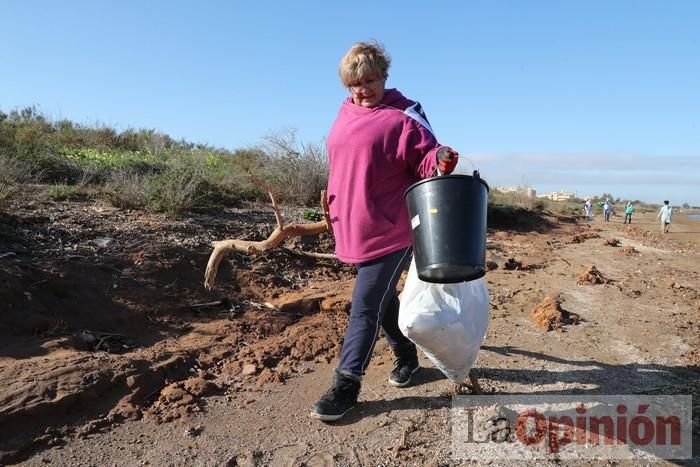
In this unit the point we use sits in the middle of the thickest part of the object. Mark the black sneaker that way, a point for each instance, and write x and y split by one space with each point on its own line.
339 399
405 365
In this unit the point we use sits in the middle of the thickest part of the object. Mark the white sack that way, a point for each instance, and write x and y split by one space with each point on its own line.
446 321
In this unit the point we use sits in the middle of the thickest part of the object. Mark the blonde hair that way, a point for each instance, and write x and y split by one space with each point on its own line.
363 60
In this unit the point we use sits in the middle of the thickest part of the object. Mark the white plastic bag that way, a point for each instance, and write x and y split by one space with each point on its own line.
446 321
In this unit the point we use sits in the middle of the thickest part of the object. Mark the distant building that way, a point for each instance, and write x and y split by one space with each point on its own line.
561 195
522 190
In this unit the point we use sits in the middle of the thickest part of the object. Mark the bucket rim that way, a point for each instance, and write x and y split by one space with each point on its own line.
447 177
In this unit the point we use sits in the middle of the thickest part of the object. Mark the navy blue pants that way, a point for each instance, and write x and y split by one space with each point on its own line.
374 303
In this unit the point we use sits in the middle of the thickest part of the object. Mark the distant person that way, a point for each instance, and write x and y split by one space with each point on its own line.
665 215
607 209
379 145
629 209
588 209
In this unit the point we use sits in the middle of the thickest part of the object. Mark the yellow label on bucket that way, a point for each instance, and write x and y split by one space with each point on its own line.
433 210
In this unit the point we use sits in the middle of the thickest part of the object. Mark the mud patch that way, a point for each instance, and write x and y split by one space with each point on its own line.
94 336
582 237
180 399
628 250
592 276
549 315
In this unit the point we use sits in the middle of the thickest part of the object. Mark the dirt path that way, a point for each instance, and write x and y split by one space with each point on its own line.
637 334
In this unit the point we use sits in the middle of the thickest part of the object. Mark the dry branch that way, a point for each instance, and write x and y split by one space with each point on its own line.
223 247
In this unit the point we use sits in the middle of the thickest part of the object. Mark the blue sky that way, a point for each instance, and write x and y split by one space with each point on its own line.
591 96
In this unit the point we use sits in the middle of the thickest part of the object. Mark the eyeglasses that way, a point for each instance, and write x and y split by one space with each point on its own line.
364 84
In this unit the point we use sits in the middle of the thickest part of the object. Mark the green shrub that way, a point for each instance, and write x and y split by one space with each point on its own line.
139 161
520 200
312 215
126 190
296 172
146 169
13 173
187 182
181 186
62 192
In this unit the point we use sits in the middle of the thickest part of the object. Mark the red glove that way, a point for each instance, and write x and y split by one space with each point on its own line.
447 160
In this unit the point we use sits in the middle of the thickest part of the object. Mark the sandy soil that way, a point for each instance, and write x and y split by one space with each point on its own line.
157 377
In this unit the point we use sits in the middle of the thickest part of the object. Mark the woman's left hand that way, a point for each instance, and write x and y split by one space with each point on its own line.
447 159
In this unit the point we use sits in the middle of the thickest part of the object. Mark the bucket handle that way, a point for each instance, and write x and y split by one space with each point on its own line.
476 171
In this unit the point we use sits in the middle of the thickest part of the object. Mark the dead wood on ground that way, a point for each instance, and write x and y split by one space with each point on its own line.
281 232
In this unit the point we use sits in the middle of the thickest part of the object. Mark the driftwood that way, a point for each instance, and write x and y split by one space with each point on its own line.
223 247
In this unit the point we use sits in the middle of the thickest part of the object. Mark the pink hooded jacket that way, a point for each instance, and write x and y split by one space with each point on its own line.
375 154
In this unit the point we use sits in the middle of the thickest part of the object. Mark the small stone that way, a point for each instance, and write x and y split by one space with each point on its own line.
193 431
249 369
103 242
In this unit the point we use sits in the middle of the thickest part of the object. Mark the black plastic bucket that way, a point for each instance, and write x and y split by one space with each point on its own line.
448 217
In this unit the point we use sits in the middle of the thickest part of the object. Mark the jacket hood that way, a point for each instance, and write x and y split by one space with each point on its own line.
392 98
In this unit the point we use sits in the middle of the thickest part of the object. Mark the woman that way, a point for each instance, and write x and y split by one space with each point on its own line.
380 143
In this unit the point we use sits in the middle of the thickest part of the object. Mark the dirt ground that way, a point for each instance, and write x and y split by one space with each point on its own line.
113 353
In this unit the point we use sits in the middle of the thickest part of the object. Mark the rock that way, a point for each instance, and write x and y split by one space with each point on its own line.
83 340
103 242
193 431
173 392
249 369
513 264
199 387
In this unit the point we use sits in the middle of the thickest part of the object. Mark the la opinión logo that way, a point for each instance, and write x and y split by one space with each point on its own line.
604 426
